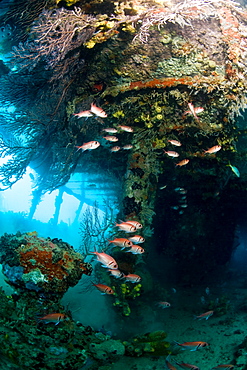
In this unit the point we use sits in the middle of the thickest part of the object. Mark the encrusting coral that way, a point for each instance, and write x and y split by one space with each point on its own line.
40 264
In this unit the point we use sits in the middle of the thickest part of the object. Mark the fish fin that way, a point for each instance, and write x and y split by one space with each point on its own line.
168 358
195 349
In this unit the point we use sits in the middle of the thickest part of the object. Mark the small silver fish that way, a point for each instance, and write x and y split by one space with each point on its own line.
163 187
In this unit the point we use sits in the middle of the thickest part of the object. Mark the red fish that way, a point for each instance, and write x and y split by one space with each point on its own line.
116 273
169 365
89 146
111 130
187 366
135 223
104 289
174 142
183 162
133 278
171 153
164 304
121 242
115 149
53 317
111 138
127 227
106 260
126 128
84 113
192 346
212 150
136 249
137 239
194 110
98 111
205 315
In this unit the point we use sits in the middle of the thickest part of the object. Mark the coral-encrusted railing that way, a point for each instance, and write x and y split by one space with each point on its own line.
196 81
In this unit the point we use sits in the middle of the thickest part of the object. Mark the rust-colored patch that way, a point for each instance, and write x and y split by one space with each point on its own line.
42 259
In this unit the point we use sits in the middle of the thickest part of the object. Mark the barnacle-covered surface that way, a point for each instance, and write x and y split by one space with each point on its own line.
27 342
40 264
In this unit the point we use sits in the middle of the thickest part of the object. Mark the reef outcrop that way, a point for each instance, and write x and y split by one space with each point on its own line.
44 265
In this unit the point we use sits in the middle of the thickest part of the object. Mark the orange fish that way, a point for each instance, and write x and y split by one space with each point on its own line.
89 146
183 162
84 113
98 111
106 260
164 304
111 138
126 128
132 278
121 242
212 150
174 142
187 366
104 289
127 227
194 110
111 130
192 346
115 149
137 239
135 223
205 315
169 365
116 273
171 153
53 317
136 249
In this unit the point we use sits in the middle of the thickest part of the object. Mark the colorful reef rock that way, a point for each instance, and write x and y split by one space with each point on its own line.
41 264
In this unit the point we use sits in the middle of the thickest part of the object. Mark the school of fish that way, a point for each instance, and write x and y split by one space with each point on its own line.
130 244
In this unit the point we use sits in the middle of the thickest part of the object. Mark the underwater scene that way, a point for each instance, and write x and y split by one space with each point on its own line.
123 184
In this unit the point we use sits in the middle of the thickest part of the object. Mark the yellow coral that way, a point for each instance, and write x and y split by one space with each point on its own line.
89 44
149 124
158 109
159 144
159 117
129 28
118 114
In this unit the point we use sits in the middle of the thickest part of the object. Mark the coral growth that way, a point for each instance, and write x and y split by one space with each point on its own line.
148 344
28 343
41 264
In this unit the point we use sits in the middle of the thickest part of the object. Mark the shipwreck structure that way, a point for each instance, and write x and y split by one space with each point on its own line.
173 72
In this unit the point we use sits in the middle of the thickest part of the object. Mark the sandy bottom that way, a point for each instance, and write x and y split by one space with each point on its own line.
223 333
